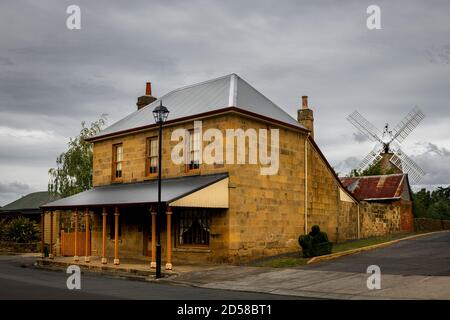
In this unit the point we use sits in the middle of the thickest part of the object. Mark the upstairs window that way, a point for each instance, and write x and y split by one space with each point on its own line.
117 161
194 150
152 156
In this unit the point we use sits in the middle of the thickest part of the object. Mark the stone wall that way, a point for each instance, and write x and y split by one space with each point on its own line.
379 219
428 225
407 216
347 222
266 214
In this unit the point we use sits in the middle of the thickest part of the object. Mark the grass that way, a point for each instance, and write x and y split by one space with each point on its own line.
295 259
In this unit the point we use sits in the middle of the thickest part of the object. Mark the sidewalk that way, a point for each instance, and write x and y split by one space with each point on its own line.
130 268
417 258
288 281
320 284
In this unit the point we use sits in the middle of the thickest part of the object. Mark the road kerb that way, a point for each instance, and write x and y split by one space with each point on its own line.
367 248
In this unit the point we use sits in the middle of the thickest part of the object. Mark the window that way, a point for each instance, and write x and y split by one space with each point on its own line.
118 160
152 156
194 150
193 228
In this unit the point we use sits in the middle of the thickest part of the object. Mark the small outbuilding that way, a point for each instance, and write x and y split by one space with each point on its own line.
386 203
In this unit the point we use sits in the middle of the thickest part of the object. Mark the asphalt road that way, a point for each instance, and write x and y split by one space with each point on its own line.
20 280
426 256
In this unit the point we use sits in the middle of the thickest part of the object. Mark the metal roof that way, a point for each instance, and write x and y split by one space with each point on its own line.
136 193
382 187
32 201
215 94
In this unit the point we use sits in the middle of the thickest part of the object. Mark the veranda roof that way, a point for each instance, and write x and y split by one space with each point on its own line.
205 191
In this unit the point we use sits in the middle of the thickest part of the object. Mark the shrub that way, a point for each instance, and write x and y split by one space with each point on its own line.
22 230
315 243
2 229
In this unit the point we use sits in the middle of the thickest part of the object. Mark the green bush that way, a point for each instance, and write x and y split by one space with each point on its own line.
21 230
315 243
2 229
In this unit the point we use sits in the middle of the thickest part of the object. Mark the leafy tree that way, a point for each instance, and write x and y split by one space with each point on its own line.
373 170
2 229
434 205
439 210
73 172
22 230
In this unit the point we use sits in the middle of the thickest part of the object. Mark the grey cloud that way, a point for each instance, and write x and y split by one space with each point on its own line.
345 166
439 55
285 49
360 137
4 61
14 187
435 161
10 191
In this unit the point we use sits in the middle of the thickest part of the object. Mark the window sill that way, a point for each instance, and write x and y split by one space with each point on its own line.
192 172
193 249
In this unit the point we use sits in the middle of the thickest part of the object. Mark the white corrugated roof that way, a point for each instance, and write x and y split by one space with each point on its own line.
215 94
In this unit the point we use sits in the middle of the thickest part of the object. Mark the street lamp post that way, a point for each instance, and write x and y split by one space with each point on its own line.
160 113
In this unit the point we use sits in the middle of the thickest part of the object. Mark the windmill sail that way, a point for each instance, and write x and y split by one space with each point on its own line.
365 127
373 156
407 125
389 142
415 173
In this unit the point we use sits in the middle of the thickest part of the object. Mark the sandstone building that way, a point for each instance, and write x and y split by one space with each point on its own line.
385 203
220 211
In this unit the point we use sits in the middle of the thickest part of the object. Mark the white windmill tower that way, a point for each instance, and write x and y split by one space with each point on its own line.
388 142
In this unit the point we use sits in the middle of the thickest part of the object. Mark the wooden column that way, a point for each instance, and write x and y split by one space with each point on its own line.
116 236
50 253
62 242
153 263
43 234
169 239
87 254
104 215
76 236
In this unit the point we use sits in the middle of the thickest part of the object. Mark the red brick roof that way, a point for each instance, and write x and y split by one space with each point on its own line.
376 187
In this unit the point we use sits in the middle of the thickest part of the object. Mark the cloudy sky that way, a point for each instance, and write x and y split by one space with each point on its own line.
52 78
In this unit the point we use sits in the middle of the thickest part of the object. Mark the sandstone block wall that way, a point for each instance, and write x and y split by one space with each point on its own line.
379 219
266 213
428 225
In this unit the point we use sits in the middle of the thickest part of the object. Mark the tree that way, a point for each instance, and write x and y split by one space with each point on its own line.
421 203
22 230
439 210
73 172
373 170
434 205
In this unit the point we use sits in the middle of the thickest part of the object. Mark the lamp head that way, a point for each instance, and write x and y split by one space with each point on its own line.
160 113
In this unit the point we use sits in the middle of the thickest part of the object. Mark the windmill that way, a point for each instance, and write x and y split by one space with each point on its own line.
387 142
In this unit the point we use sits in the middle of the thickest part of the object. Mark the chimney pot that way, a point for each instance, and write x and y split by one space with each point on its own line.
304 102
306 116
148 89
146 99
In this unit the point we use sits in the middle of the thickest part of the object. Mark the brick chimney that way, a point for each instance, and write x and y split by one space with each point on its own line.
305 116
143 101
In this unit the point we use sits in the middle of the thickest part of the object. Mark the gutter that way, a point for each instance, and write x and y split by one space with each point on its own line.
306 183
